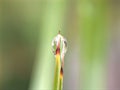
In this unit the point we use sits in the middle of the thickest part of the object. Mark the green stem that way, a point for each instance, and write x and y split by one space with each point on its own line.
57 73
61 80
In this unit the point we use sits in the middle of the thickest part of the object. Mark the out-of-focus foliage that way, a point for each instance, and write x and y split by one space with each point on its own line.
91 27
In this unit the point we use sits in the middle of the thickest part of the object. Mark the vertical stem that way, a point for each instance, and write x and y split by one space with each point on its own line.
61 79
57 72
60 49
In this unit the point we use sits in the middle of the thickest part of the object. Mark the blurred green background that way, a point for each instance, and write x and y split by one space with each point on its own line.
92 29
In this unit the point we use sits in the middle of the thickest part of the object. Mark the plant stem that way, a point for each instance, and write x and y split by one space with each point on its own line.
59 55
57 73
61 79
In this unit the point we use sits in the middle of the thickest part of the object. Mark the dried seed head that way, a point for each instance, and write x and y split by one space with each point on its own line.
59 42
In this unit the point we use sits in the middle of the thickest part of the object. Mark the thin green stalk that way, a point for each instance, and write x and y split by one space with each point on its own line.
61 79
59 48
57 73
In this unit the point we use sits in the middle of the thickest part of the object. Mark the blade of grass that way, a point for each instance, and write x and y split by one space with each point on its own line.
57 73
51 15
61 79
59 45
93 42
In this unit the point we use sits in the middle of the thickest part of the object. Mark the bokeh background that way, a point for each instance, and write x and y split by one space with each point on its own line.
92 29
